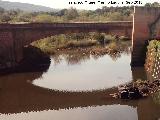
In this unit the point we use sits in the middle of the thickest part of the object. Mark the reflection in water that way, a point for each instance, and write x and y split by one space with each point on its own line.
139 73
79 71
18 95
22 100
89 75
156 97
77 56
123 112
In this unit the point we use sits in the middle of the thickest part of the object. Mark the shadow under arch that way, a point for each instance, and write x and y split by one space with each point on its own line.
34 60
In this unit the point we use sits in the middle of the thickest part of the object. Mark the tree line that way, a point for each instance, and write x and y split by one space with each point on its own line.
103 14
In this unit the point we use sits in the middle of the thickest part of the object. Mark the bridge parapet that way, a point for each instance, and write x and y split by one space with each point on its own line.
127 24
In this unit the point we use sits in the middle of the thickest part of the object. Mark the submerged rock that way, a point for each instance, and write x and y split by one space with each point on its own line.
129 93
134 93
124 94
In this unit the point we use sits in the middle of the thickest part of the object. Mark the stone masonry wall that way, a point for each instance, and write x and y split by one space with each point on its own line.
143 29
6 49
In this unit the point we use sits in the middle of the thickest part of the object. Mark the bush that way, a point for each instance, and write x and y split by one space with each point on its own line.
109 38
123 38
44 18
73 44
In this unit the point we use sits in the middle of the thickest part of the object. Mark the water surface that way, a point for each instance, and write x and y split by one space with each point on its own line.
75 87
123 112
90 74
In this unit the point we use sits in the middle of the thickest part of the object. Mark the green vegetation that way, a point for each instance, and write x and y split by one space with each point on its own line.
153 53
155 4
68 15
77 40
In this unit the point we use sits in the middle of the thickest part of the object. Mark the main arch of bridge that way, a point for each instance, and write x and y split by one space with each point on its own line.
13 37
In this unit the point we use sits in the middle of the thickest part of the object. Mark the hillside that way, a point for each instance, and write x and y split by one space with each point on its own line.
24 6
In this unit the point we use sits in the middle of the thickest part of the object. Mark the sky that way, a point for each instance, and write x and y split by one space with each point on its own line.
60 4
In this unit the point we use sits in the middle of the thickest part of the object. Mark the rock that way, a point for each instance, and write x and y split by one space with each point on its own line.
115 95
129 92
124 94
138 89
144 89
134 93
121 87
157 82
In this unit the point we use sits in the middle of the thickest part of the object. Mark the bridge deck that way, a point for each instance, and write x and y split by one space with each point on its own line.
66 25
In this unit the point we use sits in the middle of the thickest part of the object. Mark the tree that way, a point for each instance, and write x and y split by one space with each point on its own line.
2 10
155 4
148 5
5 18
71 13
61 12
43 18
24 17
116 16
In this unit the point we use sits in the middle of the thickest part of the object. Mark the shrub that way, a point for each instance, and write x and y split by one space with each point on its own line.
123 38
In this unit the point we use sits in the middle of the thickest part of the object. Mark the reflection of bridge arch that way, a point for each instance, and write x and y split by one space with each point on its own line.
17 94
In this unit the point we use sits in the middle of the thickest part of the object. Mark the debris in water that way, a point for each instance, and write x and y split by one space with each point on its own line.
137 89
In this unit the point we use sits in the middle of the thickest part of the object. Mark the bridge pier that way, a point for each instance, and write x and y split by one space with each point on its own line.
7 53
146 21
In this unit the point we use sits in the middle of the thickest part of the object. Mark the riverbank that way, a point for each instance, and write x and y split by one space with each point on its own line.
111 49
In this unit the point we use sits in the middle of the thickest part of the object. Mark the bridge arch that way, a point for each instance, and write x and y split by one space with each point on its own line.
16 36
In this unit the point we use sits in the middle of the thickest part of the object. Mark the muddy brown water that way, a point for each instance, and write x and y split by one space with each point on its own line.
76 87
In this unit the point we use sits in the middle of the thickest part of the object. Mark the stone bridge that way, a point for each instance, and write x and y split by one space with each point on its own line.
146 26
146 22
13 37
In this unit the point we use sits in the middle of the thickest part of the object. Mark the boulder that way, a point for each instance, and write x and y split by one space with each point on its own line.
124 94
134 93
